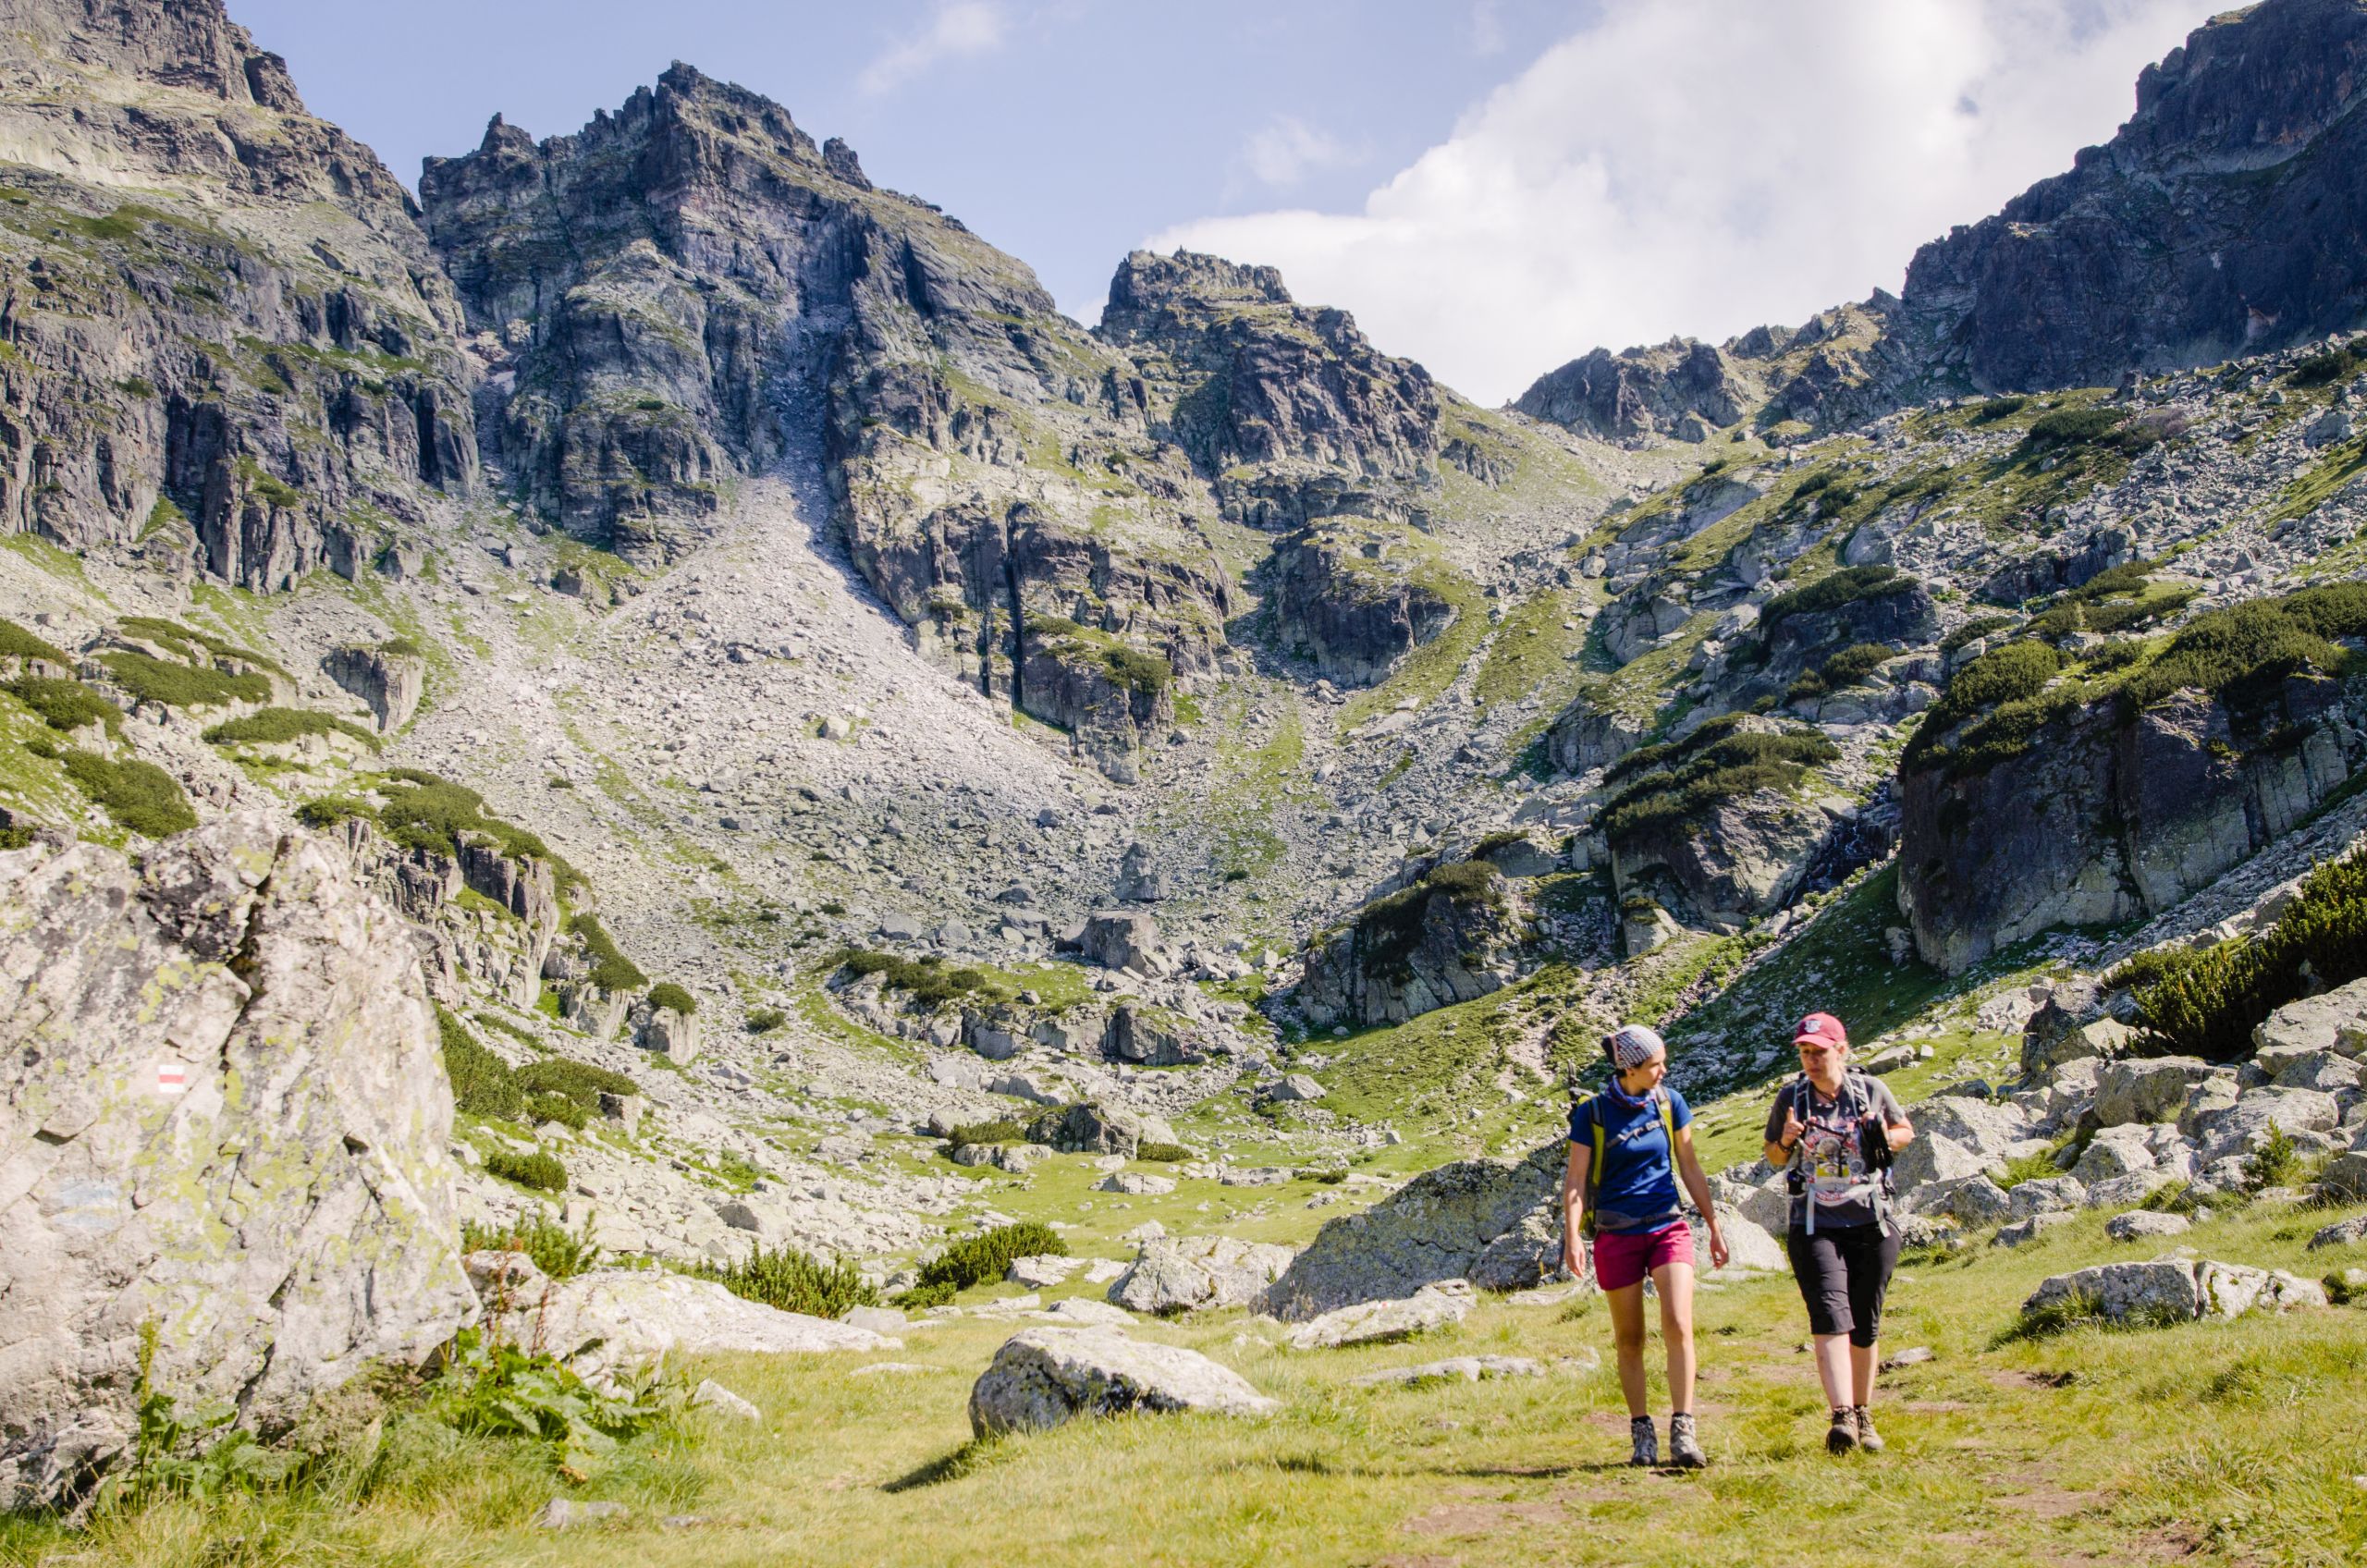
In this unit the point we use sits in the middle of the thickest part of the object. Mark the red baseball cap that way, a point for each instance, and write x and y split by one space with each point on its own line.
1824 1029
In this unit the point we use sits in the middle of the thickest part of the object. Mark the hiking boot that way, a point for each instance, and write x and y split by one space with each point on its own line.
1868 1439
1647 1440
1685 1444
1844 1434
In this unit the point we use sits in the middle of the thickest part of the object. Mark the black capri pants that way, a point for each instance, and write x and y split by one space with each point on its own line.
1843 1272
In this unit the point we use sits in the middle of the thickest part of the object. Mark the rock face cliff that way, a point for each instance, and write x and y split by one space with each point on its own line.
224 1128
2102 812
2227 214
250 367
690 287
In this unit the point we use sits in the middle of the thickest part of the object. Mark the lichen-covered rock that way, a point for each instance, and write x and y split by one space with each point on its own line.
1446 938
1188 1274
1043 1377
2148 1090
1439 1226
226 1124
610 1319
1437 1305
390 680
1356 598
2172 1290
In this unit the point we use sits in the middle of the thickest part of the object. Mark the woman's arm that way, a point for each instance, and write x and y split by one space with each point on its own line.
1696 1186
1574 1209
1900 1133
1783 1136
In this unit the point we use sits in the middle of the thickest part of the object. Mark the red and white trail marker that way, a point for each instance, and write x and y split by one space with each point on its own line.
172 1078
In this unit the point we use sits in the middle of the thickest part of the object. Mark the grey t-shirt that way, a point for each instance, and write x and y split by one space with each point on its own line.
1831 1163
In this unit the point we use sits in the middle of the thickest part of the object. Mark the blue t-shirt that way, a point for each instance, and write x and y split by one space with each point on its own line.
1636 1188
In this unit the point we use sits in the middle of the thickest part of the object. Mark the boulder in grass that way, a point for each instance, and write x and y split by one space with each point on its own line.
1379 1322
1042 1377
2350 1232
603 1320
2170 1290
1195 1272
2141 1224
1454 1370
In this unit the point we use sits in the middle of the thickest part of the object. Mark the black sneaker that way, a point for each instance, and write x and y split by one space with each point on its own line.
1685 1444
1843 1437
1647 1440
1868 1439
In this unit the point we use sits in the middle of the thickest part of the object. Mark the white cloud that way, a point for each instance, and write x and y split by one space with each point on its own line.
1286 150
1698 166
956 28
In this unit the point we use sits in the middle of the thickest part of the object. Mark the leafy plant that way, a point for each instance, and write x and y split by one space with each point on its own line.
671 997
979 1260
2275 1163
791 1281
501 1390
1170 1154
188 1456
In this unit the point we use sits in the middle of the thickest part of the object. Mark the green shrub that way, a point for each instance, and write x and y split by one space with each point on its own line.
540 1171
1997 409
2275 1163
139 795
503 1390
1136 670
483 1084
765 1020
1390 928
1503 840
672 999
17 641
2244 654
2206 1001
2320 369
181 685
2013 674
791 1280
1834 590
1679 787
1973 631
1166 1153
1848 668
930 983
189 645
1001 1130
404 647
273 725
65 705
549 1246
2072 427
980 1260
427 812
611 971
2108 619
578 1080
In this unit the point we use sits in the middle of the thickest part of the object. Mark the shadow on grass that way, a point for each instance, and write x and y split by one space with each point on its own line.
967 1460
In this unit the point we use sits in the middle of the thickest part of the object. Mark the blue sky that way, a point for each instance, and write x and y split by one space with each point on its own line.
1491 185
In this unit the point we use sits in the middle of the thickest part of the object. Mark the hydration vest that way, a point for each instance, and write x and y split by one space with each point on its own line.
1855 1103
1602 1145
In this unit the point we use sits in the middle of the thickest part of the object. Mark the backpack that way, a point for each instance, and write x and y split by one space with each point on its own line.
1602 1148
1855 1102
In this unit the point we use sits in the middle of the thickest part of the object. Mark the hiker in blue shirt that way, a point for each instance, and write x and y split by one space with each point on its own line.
1627 1145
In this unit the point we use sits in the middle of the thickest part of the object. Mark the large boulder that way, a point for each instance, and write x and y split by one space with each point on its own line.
1441 1225
1123 939
1043 1377
1191 1273
1095 1128
2240 1128
2147 1090
1448 935
1379 1322
610 1319
226 1125
2334 1020
2171 1290
1934 1158
389 679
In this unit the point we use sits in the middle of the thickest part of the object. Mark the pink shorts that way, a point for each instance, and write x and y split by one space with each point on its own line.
1623 1260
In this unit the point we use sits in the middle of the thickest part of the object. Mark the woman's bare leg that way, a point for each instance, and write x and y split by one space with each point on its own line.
1673 1282
1833 1369
1627 1338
